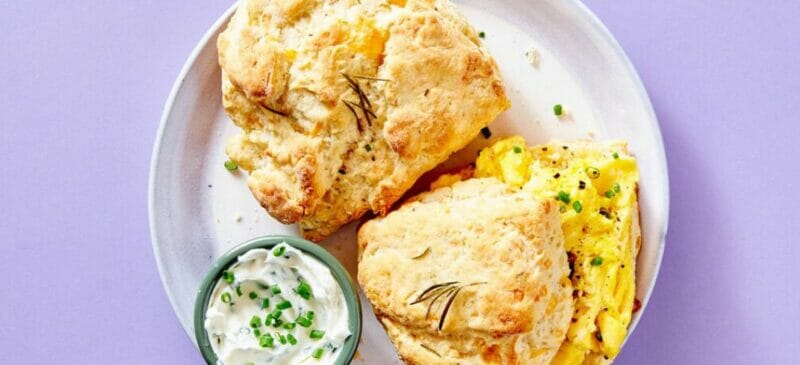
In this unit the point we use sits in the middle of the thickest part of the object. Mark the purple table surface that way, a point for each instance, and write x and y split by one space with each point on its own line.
84 82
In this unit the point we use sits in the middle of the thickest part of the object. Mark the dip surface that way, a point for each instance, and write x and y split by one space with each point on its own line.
277 306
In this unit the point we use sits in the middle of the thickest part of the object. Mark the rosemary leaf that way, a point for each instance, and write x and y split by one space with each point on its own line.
430 349
427 251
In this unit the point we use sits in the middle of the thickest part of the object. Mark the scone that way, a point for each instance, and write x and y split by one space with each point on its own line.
344 104
471 273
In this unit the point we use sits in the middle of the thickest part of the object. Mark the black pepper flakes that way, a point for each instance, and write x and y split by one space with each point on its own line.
342 171
486 132
571 258
581 185
557 175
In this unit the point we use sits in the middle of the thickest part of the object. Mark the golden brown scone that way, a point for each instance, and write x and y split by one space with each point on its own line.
503 247
322 149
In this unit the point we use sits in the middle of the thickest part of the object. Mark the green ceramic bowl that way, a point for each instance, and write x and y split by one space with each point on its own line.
316 251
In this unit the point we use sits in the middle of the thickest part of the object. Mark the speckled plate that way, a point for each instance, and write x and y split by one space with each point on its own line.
199 210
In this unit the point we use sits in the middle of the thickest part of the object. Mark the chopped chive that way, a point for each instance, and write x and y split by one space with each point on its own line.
239 290
486 132
255 322
558 109
265 303
310 314
615 155
316 334
593 172
563 196
226 297
304 290
231 166
482 34
289 326
276 289
597 261
318 353
303 321
266 340
253 295
276 313
291 339
368 147
281 338
284 305
278 251
616 188
577 206
257 332
228 277
277 323
517 149
609 194
268 320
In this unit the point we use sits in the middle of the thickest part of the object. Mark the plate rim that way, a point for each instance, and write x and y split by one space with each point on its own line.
156 152
582 10
655 125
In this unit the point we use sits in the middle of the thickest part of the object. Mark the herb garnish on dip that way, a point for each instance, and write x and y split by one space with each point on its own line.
278 306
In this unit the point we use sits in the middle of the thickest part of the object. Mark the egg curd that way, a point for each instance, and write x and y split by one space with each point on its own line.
595 184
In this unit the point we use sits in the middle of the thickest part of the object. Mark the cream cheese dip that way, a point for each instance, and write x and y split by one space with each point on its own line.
278 306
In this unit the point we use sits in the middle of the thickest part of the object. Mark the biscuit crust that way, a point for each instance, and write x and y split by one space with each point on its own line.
475 231
322 149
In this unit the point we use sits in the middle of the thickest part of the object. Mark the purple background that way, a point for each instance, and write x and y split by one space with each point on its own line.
84 82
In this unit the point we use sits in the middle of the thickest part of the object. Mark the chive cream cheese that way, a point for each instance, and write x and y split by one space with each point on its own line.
278 306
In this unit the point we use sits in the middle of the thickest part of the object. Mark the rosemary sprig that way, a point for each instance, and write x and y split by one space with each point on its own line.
363 101
427 251
432 291
449 290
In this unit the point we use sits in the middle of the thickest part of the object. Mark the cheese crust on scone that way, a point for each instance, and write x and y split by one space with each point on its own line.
343 104
498 255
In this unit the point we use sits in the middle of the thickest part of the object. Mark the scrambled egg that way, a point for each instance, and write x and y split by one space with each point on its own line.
596 187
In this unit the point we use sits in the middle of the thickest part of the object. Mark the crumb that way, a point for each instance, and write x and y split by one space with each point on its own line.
533 56
209 185
238 218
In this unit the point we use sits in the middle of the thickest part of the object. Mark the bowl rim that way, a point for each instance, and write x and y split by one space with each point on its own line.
227 259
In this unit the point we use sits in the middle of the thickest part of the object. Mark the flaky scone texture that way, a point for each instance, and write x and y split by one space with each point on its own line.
503 247
344 104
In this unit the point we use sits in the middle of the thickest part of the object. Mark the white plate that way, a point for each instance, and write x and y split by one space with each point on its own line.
199 210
